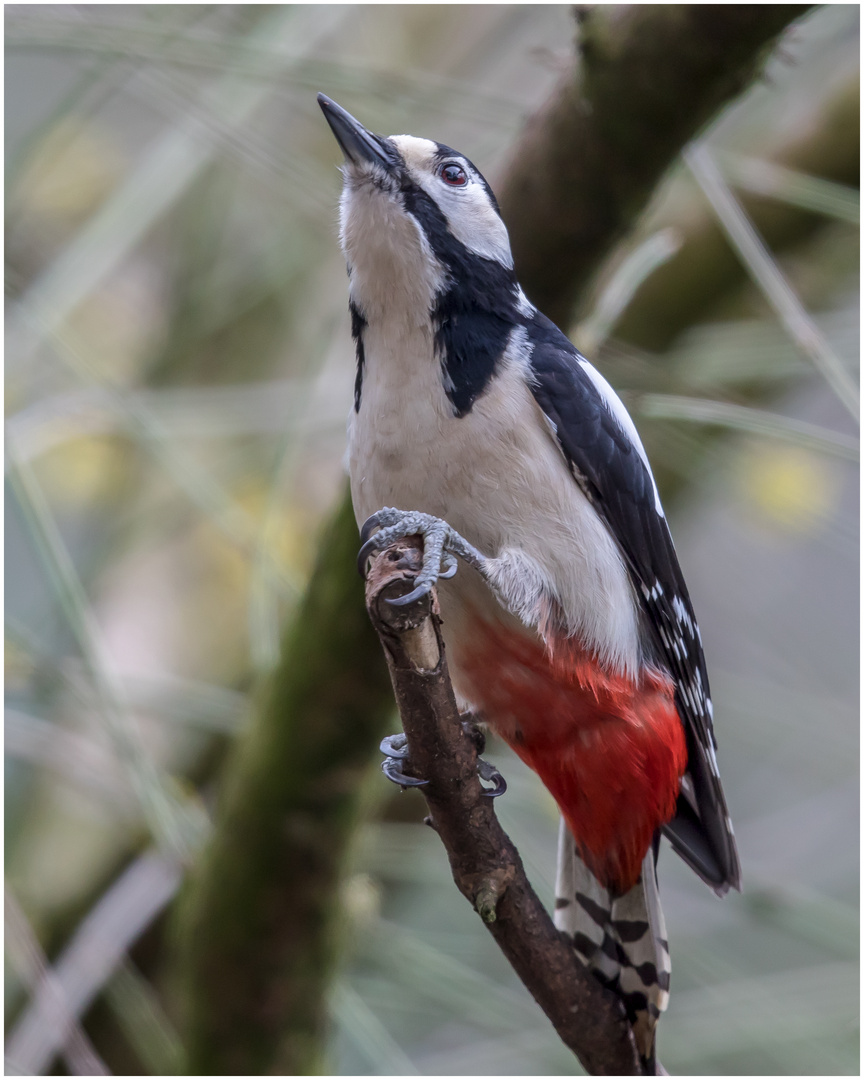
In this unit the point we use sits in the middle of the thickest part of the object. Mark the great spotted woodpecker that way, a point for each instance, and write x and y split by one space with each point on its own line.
501 445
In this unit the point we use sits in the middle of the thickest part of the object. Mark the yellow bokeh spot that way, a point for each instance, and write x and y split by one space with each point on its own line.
70 173
291 532
84 470
19 666
790 486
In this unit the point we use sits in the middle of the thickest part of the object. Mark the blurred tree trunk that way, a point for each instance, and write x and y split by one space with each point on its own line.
259 920
705 266
649 77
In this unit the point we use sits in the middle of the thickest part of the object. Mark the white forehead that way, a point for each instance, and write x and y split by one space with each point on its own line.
417 153
470 215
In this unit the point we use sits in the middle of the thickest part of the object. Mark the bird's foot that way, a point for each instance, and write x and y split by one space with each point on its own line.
441 545
485 769
395 747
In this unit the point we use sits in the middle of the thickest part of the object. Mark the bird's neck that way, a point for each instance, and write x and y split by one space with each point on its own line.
395 276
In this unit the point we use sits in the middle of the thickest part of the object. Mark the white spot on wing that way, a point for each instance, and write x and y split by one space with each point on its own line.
553 427
523 304
682 614
519 350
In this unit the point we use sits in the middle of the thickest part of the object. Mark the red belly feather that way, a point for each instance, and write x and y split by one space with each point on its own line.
610 750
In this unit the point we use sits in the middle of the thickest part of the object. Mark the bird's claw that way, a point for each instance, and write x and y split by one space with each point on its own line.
441 545
487 771
396 749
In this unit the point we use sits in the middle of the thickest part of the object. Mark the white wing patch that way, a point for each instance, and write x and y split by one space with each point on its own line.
523 304
616 409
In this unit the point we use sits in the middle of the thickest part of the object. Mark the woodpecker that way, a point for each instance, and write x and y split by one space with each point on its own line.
570 632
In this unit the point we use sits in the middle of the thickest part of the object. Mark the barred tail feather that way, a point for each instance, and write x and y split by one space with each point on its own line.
621 938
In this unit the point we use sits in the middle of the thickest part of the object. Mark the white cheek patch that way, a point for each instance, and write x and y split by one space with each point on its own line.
469 213
471 218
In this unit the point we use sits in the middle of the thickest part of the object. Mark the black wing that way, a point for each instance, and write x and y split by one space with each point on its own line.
608 466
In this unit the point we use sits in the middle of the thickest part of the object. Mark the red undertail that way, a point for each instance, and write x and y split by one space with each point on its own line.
610 750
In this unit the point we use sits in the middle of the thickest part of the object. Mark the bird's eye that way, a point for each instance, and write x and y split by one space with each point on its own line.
454 175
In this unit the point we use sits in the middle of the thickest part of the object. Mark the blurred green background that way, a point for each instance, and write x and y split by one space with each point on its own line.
179 373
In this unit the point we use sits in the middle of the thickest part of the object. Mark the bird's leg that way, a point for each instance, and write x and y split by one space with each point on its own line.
441 544
485 769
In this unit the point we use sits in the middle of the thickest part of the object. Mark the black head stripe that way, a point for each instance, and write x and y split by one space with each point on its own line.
475 312
358 325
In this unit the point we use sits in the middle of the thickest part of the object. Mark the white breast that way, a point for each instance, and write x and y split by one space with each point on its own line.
498 477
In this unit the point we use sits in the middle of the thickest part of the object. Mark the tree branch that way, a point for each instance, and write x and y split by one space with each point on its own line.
651 75
486 866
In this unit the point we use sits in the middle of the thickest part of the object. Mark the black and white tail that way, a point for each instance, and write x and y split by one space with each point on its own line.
622 939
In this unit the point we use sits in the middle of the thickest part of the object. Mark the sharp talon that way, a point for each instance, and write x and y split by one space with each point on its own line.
415 594
449 572
369 526
487 771
363 554
396 749
390 768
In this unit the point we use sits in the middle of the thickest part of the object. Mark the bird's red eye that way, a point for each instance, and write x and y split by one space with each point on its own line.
454 175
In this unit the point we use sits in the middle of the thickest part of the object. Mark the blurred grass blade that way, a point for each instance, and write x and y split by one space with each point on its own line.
723 356
140 1014
170 698
87 963
310 400
766 274
366 1031
91 87
625 282
207 412
785 1007
190 49
173 821
825 922
72 755
445 979
58 1016
166 172
105 76
203 491
789 186
744 418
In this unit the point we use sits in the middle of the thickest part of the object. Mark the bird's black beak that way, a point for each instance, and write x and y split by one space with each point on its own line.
358 144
